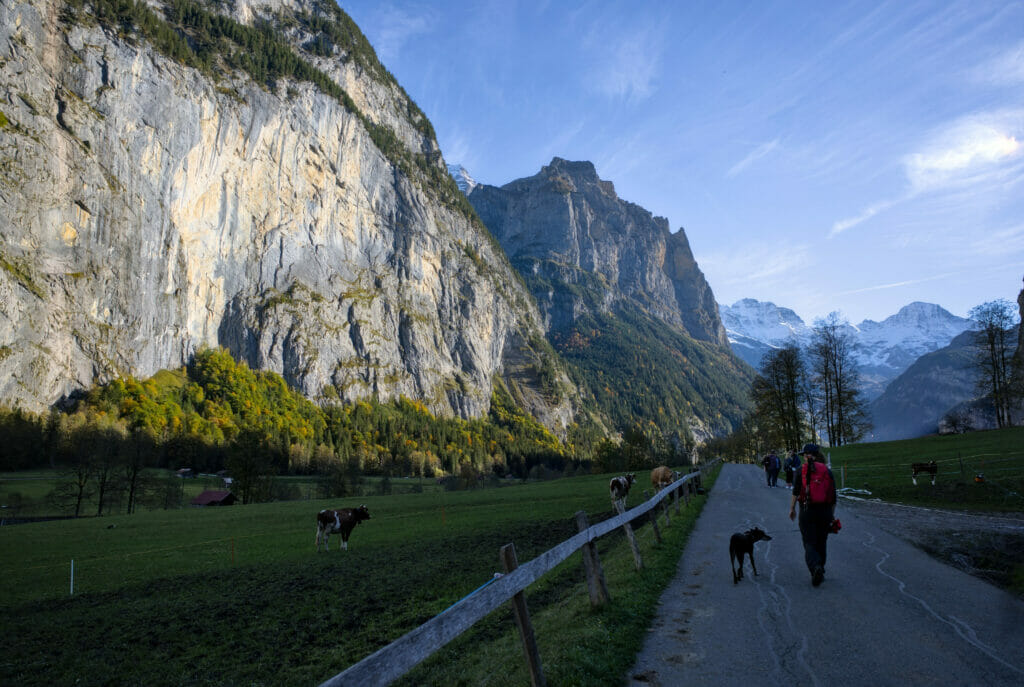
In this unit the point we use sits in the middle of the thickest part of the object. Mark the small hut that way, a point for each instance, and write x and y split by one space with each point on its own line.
214 497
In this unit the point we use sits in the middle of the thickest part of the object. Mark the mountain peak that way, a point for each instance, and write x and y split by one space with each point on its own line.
463 180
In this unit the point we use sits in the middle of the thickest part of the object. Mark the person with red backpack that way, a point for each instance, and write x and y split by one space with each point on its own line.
815 490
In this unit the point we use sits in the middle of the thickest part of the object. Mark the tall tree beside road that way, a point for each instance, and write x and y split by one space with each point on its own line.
836 381
776 393
994 358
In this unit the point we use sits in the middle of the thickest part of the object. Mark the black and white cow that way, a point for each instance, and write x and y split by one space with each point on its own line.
338 521
618 487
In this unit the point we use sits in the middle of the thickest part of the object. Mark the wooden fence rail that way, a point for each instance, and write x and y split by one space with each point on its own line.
386 665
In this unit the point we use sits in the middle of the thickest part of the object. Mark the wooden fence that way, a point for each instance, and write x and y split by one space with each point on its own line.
396 659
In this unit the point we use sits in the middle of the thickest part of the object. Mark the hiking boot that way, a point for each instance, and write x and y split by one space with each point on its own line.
818 576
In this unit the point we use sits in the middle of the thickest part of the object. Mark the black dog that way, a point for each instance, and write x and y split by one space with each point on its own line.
740 544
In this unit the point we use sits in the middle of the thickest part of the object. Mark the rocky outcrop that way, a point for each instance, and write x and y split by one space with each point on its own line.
566 226
148 209
623 301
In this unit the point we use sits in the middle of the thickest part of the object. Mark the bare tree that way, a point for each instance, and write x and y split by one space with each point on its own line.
777 398
837 382
993 339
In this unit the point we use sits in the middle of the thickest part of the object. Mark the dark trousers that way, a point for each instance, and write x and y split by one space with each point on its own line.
815 521
773 477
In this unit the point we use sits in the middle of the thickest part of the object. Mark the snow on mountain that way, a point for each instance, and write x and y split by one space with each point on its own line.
465 182
883 349
764 322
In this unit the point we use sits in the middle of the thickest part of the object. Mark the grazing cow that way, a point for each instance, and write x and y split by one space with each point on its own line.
341 521
918 468
618 487
661 477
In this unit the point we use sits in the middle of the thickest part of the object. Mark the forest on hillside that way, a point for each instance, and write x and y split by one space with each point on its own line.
218 415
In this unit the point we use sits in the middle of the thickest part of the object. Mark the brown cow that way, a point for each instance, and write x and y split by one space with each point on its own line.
340 520
661 477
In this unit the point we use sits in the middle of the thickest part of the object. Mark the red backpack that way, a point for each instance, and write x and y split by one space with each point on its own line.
818 485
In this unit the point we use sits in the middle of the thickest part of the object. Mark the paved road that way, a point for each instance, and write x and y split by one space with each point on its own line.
887 613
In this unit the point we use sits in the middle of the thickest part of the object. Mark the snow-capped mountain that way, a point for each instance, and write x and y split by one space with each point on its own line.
883 349
465 182
755 327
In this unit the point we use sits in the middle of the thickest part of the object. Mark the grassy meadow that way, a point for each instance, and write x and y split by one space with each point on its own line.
884 469
237 595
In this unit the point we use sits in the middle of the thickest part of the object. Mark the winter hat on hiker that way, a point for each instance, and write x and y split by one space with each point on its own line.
813 449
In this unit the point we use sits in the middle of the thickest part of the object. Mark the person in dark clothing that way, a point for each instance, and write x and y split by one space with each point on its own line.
767 464
792 467
815 490
774 465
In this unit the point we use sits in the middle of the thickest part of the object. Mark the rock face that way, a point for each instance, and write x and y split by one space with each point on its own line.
148 209
623 301
565 225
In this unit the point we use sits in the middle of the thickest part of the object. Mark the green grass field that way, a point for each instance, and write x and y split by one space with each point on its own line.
237 595
884 470
26 494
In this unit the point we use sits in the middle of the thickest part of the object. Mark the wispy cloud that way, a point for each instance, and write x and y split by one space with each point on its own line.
869 212
395 26
629 61
897 284
973 155
974 147
1006 69
754 155
1000 243
756 263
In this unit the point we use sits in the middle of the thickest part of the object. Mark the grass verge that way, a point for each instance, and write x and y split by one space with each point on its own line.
579 646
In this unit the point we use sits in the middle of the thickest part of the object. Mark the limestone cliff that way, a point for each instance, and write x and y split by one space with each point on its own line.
567 225
623 300
149 207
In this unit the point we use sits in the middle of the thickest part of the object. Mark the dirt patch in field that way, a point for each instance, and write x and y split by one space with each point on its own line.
986 545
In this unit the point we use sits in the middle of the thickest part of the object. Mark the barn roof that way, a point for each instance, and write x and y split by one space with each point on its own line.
214 497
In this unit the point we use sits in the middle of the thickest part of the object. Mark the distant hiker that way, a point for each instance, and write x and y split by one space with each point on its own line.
767 464
774 465
791 466
815 489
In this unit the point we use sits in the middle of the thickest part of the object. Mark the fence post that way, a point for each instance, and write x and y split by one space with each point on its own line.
686 492
522 616
628 529
592 566
653 515
675 498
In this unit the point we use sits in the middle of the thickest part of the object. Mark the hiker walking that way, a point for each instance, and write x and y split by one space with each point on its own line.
791 466
815 490
767 464
774 465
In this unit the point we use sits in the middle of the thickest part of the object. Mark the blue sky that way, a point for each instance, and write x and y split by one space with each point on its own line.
850 156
